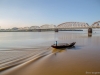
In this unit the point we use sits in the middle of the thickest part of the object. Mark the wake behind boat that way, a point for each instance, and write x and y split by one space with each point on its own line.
63 45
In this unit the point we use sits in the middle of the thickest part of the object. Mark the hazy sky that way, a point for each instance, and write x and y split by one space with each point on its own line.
21 13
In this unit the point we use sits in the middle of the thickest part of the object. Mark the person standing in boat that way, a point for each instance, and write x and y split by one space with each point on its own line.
56 43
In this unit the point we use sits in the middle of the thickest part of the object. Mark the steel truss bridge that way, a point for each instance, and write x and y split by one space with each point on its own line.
63 26
67 26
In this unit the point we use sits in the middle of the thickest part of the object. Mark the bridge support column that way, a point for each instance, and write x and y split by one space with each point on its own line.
39 30
89 32
56 30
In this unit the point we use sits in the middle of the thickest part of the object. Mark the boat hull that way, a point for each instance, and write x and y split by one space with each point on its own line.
63 46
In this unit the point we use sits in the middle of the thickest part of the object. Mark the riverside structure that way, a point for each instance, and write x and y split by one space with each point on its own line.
67 26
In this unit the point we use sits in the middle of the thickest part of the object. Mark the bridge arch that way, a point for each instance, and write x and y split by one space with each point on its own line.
34 27
46 26
73 25
96 24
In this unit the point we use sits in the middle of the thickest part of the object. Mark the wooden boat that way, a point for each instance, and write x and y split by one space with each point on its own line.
65 45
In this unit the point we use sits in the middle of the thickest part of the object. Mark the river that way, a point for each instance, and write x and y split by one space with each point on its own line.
17 48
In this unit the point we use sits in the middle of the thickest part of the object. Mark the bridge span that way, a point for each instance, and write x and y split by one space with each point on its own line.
71 25
63 26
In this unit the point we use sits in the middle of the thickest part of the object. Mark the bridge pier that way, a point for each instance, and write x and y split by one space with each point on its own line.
39 30
89 32
56 30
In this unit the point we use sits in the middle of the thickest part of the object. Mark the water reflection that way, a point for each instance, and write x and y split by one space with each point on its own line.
54 50
89 34
77 47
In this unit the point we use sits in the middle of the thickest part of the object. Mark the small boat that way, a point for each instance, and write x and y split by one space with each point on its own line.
64 45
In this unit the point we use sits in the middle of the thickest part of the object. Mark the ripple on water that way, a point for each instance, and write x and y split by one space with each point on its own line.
13 57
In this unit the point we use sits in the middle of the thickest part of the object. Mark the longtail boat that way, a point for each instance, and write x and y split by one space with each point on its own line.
63 45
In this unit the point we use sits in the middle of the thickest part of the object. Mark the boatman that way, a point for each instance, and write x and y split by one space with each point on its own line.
56 43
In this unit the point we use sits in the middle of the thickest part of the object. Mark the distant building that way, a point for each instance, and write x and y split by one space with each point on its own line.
2 29
8 29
